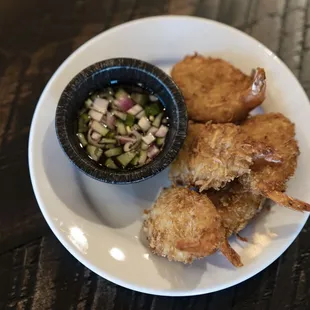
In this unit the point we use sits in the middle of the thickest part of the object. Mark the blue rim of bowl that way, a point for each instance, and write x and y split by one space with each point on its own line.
160 162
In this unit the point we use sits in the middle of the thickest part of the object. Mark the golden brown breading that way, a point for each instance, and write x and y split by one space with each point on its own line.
184 225
215 90
236 205
179 172
270 179
215 154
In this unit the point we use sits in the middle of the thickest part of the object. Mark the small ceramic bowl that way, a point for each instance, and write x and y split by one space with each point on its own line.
123 71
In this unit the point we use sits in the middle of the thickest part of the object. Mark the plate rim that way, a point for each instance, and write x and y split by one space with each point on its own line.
73 251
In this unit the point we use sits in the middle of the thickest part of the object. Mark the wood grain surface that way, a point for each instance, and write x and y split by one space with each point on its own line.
36 271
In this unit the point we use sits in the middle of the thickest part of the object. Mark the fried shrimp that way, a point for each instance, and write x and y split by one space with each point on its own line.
215 90
215 154
270 179
236 205
184 225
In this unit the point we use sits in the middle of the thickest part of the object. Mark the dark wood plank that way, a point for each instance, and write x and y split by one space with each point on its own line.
266 22
180 7
21 84
293 28
36 271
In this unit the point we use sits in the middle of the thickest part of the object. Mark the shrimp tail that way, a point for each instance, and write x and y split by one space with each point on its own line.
287 201
254 95
230 254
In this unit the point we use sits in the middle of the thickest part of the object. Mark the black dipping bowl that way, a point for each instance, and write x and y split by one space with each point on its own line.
123 71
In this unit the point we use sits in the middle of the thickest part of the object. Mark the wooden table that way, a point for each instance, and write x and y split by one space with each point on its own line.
36 271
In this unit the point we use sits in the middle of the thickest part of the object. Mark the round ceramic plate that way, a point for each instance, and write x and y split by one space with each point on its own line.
100 224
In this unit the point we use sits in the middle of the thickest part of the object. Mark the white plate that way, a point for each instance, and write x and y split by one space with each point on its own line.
100 223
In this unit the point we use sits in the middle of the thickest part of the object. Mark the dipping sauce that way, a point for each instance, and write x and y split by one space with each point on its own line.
122 127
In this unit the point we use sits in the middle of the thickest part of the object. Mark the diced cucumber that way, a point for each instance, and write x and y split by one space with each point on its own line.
142 157
82 139
109 141
113 152
144 146
85 117
83 122
144 123
140 99
99 128
157 120
135 161
148 139
140 114
125 158
82 126
121 115
121 93
94 96
90 149
130 120
109 146
110 134
109 163
94 152
121 129
160 141
88 103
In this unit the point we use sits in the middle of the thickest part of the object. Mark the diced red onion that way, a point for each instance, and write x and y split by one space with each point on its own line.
135 110
162 131
148 139
144 123
152 130
101 105
140 114
125 139
127 146
97 116
111 120
91 141
124 104
119 114
96 136
152 151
